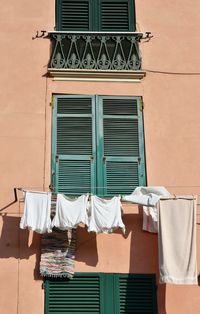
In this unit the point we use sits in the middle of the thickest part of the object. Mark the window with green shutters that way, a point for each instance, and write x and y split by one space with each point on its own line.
100 293
97 145
95 15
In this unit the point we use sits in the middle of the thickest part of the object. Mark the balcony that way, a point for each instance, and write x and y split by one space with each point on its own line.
101 55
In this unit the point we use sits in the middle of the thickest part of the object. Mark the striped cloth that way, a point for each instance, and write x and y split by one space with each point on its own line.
58 251
58 254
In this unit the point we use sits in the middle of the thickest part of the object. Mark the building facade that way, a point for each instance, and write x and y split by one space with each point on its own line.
91 102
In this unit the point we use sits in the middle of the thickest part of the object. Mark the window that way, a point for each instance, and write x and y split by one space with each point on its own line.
95 15
98 145
101 294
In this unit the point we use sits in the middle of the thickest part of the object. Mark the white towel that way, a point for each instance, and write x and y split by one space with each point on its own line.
70 212
36 214
105 215
148 197
177 241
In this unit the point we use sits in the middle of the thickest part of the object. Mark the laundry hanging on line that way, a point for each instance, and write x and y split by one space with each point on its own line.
148 197
105 215
58 254
174 219
37 209
177 240
173 248
70 213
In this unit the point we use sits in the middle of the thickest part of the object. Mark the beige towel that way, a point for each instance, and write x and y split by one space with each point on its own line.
177 240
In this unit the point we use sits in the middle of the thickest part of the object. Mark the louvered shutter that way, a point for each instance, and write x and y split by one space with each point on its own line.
73 157
83 294
100 293
121 148
136 294
95 15
74 15
117 15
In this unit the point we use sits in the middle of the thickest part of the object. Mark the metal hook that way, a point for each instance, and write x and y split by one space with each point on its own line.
42 35
147 36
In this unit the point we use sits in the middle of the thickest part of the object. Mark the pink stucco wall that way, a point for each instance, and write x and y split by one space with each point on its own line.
171 122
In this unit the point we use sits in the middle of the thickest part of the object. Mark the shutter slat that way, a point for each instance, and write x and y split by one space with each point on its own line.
74 136
120 107
85 300
74 177
137 294
74 106
121 137
74 15
121 177
114 15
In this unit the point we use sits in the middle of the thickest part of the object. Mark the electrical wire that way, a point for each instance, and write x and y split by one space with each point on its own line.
172 73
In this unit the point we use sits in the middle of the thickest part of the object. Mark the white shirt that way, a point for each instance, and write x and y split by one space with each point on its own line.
105 215
70 212
36 216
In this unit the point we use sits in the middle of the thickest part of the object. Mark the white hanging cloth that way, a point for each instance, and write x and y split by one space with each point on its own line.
105 215
36 216
70 212
177 240
148 197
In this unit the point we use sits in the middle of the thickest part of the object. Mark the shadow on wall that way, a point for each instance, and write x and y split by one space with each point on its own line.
17 243
21 244
144 254
89 241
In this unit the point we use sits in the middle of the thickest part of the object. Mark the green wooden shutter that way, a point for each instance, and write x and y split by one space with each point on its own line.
83 294
120 145
74 15
117 15
100 293
136 293
115 141
73 153
95 15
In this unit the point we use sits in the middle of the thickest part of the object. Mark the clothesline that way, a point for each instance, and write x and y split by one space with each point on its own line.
90 194
178 197
173 196
53 192
98 186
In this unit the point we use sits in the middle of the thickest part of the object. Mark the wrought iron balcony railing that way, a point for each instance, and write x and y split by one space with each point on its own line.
95 50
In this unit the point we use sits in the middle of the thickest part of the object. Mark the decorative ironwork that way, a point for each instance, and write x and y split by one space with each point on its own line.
99 51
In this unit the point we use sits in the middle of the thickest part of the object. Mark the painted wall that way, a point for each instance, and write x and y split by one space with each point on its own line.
171 121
